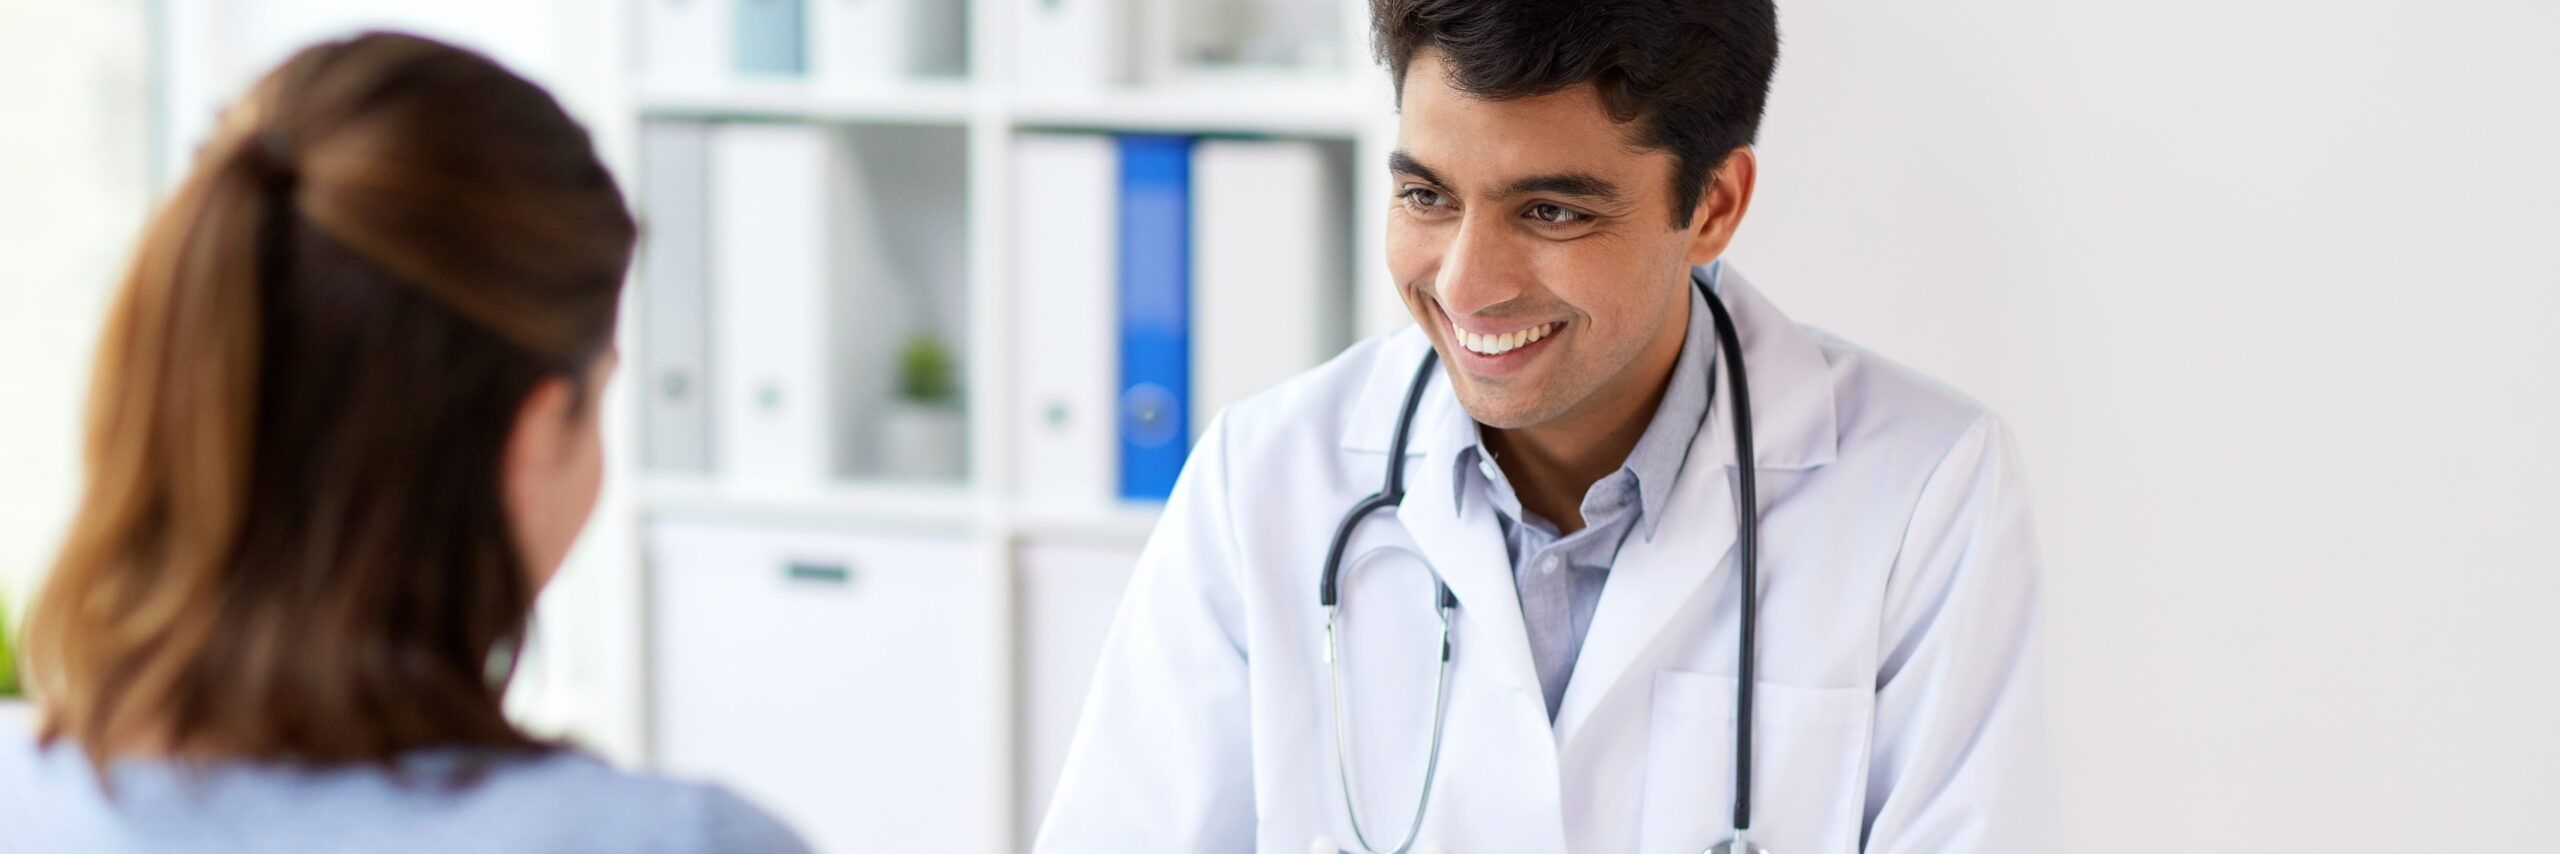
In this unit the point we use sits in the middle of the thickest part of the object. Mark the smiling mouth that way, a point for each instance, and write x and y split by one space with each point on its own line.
1496 345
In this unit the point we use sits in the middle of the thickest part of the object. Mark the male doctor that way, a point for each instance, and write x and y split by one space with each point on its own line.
1565 171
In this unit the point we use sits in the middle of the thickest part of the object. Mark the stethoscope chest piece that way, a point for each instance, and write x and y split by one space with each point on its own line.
1737 846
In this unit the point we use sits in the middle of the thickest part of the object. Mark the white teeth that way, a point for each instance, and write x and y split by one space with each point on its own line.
1495 345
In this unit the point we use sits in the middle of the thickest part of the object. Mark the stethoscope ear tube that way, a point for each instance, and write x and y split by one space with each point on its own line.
1746 511
1329 589
1329 592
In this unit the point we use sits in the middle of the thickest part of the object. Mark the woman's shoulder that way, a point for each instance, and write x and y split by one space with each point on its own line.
665 813
437 801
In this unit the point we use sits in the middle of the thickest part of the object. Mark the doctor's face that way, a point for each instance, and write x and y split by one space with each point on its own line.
1537 248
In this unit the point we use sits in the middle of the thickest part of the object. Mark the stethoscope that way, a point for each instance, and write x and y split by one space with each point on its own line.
1746 550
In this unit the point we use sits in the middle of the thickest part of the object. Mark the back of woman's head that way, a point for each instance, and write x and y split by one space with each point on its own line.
293 543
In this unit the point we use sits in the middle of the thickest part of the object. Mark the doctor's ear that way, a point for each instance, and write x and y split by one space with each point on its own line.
1720 207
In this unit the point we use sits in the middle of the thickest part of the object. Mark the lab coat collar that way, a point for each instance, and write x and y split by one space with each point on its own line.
1467 550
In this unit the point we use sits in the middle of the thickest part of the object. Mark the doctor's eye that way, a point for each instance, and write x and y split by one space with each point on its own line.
1420 198
1553 214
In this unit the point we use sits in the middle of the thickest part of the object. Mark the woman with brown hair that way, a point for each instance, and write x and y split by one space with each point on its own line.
342 430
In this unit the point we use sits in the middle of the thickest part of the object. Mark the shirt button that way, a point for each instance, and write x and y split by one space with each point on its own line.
1547 564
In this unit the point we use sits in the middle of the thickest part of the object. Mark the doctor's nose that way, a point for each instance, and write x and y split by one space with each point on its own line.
1481 267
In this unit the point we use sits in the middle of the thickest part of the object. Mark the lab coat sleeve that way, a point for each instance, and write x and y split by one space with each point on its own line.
1161 760
1962 757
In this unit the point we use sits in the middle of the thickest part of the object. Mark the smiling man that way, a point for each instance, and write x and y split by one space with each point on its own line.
1605 554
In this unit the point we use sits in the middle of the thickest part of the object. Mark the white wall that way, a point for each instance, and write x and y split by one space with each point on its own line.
2271 292
73 190
214 48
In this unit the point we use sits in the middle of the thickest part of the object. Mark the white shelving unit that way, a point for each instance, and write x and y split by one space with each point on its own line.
1350 111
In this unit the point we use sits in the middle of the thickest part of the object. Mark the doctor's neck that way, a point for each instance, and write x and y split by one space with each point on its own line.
1553 463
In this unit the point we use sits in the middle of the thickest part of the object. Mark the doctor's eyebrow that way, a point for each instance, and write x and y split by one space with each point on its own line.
1402 163
1577 184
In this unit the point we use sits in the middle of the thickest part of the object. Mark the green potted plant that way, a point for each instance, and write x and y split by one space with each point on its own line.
923 428
8 659
926 372
15 716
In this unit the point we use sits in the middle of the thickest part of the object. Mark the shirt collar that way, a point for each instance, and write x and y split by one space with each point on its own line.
1661 451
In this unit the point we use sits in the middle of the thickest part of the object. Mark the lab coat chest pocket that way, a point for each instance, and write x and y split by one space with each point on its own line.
1809 759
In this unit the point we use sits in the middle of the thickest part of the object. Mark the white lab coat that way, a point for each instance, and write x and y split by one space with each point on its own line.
1900 699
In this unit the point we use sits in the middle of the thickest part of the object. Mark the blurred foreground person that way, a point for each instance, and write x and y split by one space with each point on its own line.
343 429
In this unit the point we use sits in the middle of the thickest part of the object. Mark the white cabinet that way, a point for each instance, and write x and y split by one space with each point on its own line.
1068 595
849 683
17 720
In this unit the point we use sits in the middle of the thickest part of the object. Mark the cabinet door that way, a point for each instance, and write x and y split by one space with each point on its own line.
848 683
1068 597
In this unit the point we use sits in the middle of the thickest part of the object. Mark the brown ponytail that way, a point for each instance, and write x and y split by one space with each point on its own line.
291 543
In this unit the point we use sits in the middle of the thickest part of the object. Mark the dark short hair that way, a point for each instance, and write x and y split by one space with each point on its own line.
1691 76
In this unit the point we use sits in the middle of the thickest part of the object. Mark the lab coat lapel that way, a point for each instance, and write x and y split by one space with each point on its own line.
1465 549
1653 581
